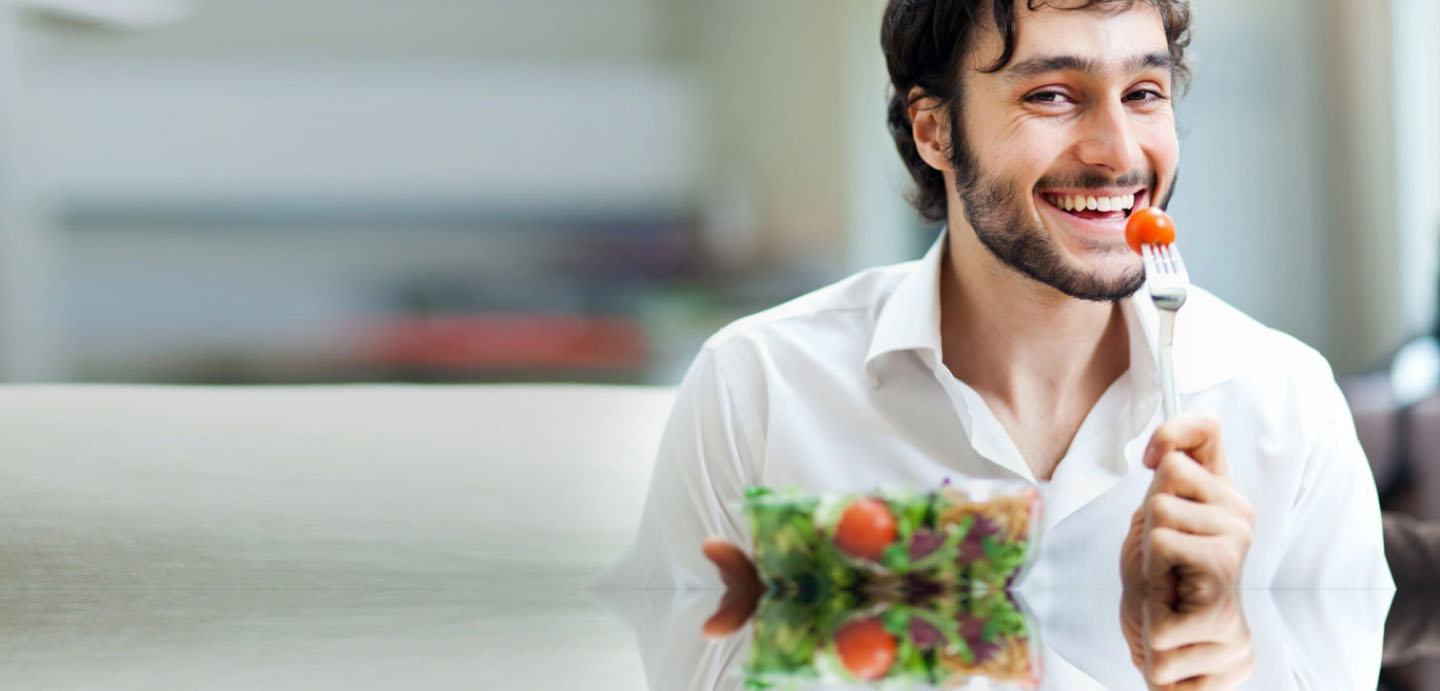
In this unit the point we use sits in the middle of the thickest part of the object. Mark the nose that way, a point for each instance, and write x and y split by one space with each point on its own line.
1108 138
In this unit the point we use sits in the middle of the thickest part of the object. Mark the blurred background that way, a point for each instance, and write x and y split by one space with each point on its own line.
266 191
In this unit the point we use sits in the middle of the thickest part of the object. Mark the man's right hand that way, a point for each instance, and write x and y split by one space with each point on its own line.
742 587
1205 645
1189 539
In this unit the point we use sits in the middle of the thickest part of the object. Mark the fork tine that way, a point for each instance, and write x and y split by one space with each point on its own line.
1180 264
1172 259
1155 260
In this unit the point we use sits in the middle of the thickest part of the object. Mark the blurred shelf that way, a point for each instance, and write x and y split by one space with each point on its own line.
506 342
364 209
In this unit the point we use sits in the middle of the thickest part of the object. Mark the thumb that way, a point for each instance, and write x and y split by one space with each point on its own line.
1197 436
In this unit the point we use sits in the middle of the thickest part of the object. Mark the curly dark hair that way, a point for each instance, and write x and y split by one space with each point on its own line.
924 41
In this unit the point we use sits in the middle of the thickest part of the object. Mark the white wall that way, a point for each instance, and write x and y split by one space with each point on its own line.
512 134
1251 202
1417 153
372 29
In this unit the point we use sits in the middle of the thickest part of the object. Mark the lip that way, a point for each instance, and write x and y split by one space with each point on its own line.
1094 228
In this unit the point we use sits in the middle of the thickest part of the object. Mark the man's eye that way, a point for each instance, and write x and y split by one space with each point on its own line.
1144 96
1046 97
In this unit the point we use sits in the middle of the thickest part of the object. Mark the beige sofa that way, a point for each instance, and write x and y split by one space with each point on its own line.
1402 443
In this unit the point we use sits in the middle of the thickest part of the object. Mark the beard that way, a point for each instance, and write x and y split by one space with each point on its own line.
998 213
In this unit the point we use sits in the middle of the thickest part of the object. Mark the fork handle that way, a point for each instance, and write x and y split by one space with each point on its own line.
1167 365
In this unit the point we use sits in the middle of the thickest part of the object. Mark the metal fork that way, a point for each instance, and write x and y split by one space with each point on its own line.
1169 284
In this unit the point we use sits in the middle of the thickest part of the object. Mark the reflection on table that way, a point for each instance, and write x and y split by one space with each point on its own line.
1082 639
512 635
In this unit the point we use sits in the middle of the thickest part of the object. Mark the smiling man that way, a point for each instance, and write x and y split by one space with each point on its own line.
1022 347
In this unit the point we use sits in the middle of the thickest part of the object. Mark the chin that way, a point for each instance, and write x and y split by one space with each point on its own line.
1113 270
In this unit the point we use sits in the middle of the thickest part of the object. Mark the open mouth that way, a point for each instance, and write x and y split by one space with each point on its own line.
1095 207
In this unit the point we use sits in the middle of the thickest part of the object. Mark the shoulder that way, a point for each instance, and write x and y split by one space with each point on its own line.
1248 347
1267 366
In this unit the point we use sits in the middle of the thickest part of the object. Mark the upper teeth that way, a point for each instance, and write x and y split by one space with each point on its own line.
1081 202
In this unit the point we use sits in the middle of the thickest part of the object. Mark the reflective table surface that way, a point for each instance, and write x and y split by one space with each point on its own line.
511 635
378 538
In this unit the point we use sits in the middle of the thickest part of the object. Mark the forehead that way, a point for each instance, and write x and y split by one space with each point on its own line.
1106 37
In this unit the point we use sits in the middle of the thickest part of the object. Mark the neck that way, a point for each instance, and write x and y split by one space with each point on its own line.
1020 342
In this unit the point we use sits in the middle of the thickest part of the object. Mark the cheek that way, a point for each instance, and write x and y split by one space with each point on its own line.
1162 147
1023 154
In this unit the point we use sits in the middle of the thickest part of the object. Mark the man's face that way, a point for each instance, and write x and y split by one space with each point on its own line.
1080 115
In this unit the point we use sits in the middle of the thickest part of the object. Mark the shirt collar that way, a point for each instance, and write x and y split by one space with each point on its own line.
910 321
910 318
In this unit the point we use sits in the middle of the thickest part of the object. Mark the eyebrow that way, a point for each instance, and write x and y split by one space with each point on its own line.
1042 64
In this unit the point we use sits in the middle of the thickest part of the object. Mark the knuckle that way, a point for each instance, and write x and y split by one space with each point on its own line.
1164 436
1161 538
1247 509
1161 508
1242 535
1172 467
1208 424
1167 467
1162 667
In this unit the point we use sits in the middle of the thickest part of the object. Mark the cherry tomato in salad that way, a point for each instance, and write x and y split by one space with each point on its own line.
1149 226
866 649
866 528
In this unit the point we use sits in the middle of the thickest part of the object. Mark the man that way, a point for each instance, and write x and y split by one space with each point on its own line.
1022 346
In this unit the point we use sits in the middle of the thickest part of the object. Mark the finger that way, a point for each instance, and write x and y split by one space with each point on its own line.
734 610
1194 661
1190 516
1132 625
1182 476
1132 575
1224 680
1167 548
736 569
1217 622
1196 435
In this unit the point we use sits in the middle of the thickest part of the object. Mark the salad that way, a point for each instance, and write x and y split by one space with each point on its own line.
940 641
821 544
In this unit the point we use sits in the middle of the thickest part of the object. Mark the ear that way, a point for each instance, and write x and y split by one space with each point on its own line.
930 125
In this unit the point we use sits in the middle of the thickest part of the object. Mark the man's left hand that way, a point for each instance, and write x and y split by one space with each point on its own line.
742 587
1189 538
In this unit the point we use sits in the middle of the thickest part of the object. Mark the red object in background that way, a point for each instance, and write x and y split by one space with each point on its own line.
510 341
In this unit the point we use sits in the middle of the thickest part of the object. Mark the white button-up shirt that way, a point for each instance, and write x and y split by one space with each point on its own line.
844 389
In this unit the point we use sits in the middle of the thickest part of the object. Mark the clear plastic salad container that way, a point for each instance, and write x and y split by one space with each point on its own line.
942 641
979 535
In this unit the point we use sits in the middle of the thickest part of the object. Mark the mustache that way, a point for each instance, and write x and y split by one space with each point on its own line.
1092 179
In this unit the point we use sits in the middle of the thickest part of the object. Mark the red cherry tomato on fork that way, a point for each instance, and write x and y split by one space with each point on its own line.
866 528
1149 226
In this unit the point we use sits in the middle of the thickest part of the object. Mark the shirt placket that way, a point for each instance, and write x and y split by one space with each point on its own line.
987 437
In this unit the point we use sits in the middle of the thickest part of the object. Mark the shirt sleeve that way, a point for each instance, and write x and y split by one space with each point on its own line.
703 465
1334 537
